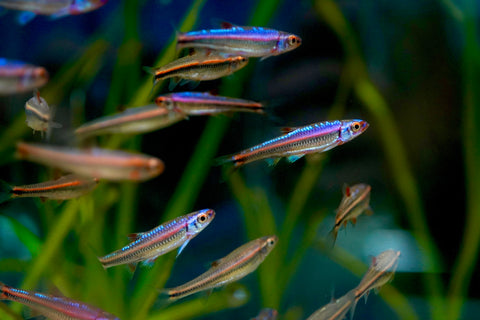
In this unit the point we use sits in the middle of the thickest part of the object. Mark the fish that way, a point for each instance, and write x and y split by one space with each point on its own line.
355 201
39 115
66 187
204 103
198 67
148 246
18 77
381 270
266 314
337 309
236 265
238 40
297 142
131 121
54 307
53 8
97 163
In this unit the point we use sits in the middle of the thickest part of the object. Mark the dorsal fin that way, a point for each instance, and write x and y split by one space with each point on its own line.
135 236
346 190
287 130
226 25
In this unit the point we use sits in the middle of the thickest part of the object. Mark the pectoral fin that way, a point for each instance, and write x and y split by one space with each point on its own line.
182 247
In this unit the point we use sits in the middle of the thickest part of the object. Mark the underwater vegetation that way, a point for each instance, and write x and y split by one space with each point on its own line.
407 71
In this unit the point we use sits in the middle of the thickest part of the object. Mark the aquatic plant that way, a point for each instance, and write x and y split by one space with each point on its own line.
60 242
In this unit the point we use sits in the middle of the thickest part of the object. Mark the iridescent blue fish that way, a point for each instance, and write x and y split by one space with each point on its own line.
52 8
297 142
148 246
244 41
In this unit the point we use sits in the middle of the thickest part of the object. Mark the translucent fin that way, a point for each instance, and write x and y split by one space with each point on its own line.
287 130
135 236
272 161
216 263
60 14
132 267
25 17
5 191
149 262
294 158
150 70
173 83
332 238
182 247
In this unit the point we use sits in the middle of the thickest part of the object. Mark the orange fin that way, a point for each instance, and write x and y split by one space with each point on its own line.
368 211
132 267
354 221
346 190
226 25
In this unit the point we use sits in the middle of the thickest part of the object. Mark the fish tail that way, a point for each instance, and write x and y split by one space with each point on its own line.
167 295
5 191
150 70
3 296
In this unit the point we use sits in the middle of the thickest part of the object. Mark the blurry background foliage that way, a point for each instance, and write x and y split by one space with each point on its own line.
410 68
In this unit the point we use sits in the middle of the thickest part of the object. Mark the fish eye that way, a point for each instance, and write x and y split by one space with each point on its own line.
355 126
202 218
271 242
292 40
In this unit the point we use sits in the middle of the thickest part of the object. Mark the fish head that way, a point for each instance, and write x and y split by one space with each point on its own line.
199 220
165 102
288 42
352 128
238 62
82 6
154 167
268 243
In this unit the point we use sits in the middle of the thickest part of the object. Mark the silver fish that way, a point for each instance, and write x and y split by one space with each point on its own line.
236 265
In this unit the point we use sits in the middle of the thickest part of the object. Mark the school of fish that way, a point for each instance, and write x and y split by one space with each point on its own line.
215 53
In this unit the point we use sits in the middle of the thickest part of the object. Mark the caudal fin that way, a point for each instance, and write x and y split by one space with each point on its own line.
5 191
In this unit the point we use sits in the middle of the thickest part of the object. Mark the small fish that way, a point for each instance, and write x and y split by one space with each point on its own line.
236 265
381 271
297 142
52 8
204 103
54 307
266 314
131 121
18 77
198 67
355 201
39 115
95 162
335 310
237 40
66 187
148 246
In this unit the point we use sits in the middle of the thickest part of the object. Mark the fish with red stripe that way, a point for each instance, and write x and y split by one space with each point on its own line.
66 187
94 162
236 265
148 246
297 142
238 40
204 103
198 67
54 307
